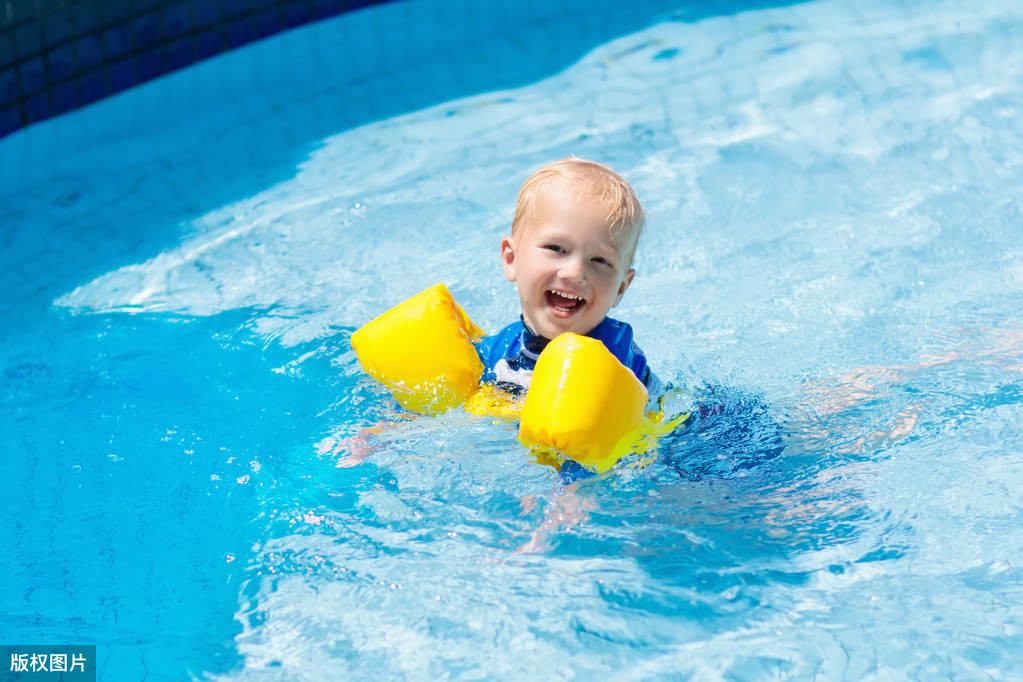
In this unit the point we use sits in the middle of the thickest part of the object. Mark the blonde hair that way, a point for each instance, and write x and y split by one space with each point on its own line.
596 181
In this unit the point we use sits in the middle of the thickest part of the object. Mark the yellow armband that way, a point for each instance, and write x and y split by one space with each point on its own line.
583 403
422 351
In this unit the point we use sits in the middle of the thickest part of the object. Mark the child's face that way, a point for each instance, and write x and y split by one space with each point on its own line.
569 270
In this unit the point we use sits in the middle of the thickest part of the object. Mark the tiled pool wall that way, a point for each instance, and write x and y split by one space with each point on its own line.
58 55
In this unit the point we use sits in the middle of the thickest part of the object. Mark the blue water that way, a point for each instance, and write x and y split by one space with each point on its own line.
832 269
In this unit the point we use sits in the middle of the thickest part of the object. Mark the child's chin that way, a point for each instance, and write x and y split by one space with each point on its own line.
561 325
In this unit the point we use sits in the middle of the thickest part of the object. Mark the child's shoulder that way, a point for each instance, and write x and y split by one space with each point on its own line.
614 330
617 337
502 345
502 340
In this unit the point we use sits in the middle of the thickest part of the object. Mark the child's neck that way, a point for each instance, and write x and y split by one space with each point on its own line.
533 342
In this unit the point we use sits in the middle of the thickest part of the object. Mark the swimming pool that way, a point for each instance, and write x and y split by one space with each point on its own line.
832 261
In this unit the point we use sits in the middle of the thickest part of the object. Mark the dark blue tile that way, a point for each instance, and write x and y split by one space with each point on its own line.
208 43
117 40
65 97
150 64
177 19
57 27
8 86
6 49
10 120
122 75
27 40
178 53
33 75
61 61
240 31
84 17
94 86
114 12
296 13
90 51
205 13
37 108
267 23
233 8
146 30
328 8
21 11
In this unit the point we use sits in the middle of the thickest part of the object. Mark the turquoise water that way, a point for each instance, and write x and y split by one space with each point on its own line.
832 267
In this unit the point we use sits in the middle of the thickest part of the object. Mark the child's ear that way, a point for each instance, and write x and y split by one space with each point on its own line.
508 258
626 281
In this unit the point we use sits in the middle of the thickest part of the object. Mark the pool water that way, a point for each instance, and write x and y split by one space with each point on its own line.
832 268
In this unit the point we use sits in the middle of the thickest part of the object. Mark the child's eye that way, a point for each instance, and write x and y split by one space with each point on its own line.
603 261
553 247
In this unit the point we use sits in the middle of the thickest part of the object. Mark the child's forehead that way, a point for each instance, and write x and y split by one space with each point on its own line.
586 217
573 197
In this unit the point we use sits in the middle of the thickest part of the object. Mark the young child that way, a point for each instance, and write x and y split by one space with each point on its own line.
570 253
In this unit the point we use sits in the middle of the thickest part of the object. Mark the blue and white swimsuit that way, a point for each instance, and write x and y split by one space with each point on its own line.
509 356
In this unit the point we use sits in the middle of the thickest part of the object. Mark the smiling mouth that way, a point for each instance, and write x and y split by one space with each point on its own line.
562 301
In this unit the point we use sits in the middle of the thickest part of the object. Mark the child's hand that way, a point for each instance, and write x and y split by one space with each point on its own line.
566 510
353 450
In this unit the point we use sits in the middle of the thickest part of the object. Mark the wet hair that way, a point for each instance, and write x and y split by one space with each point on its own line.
595 181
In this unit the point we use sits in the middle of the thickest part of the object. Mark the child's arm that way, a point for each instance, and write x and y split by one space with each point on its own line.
568 509
353 450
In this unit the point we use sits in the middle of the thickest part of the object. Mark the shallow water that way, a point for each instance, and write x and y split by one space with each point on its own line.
831 268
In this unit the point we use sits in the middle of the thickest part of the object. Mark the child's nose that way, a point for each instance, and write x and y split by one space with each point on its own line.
572 270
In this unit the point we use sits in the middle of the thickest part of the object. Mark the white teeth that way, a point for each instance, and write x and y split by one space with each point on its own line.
565 294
